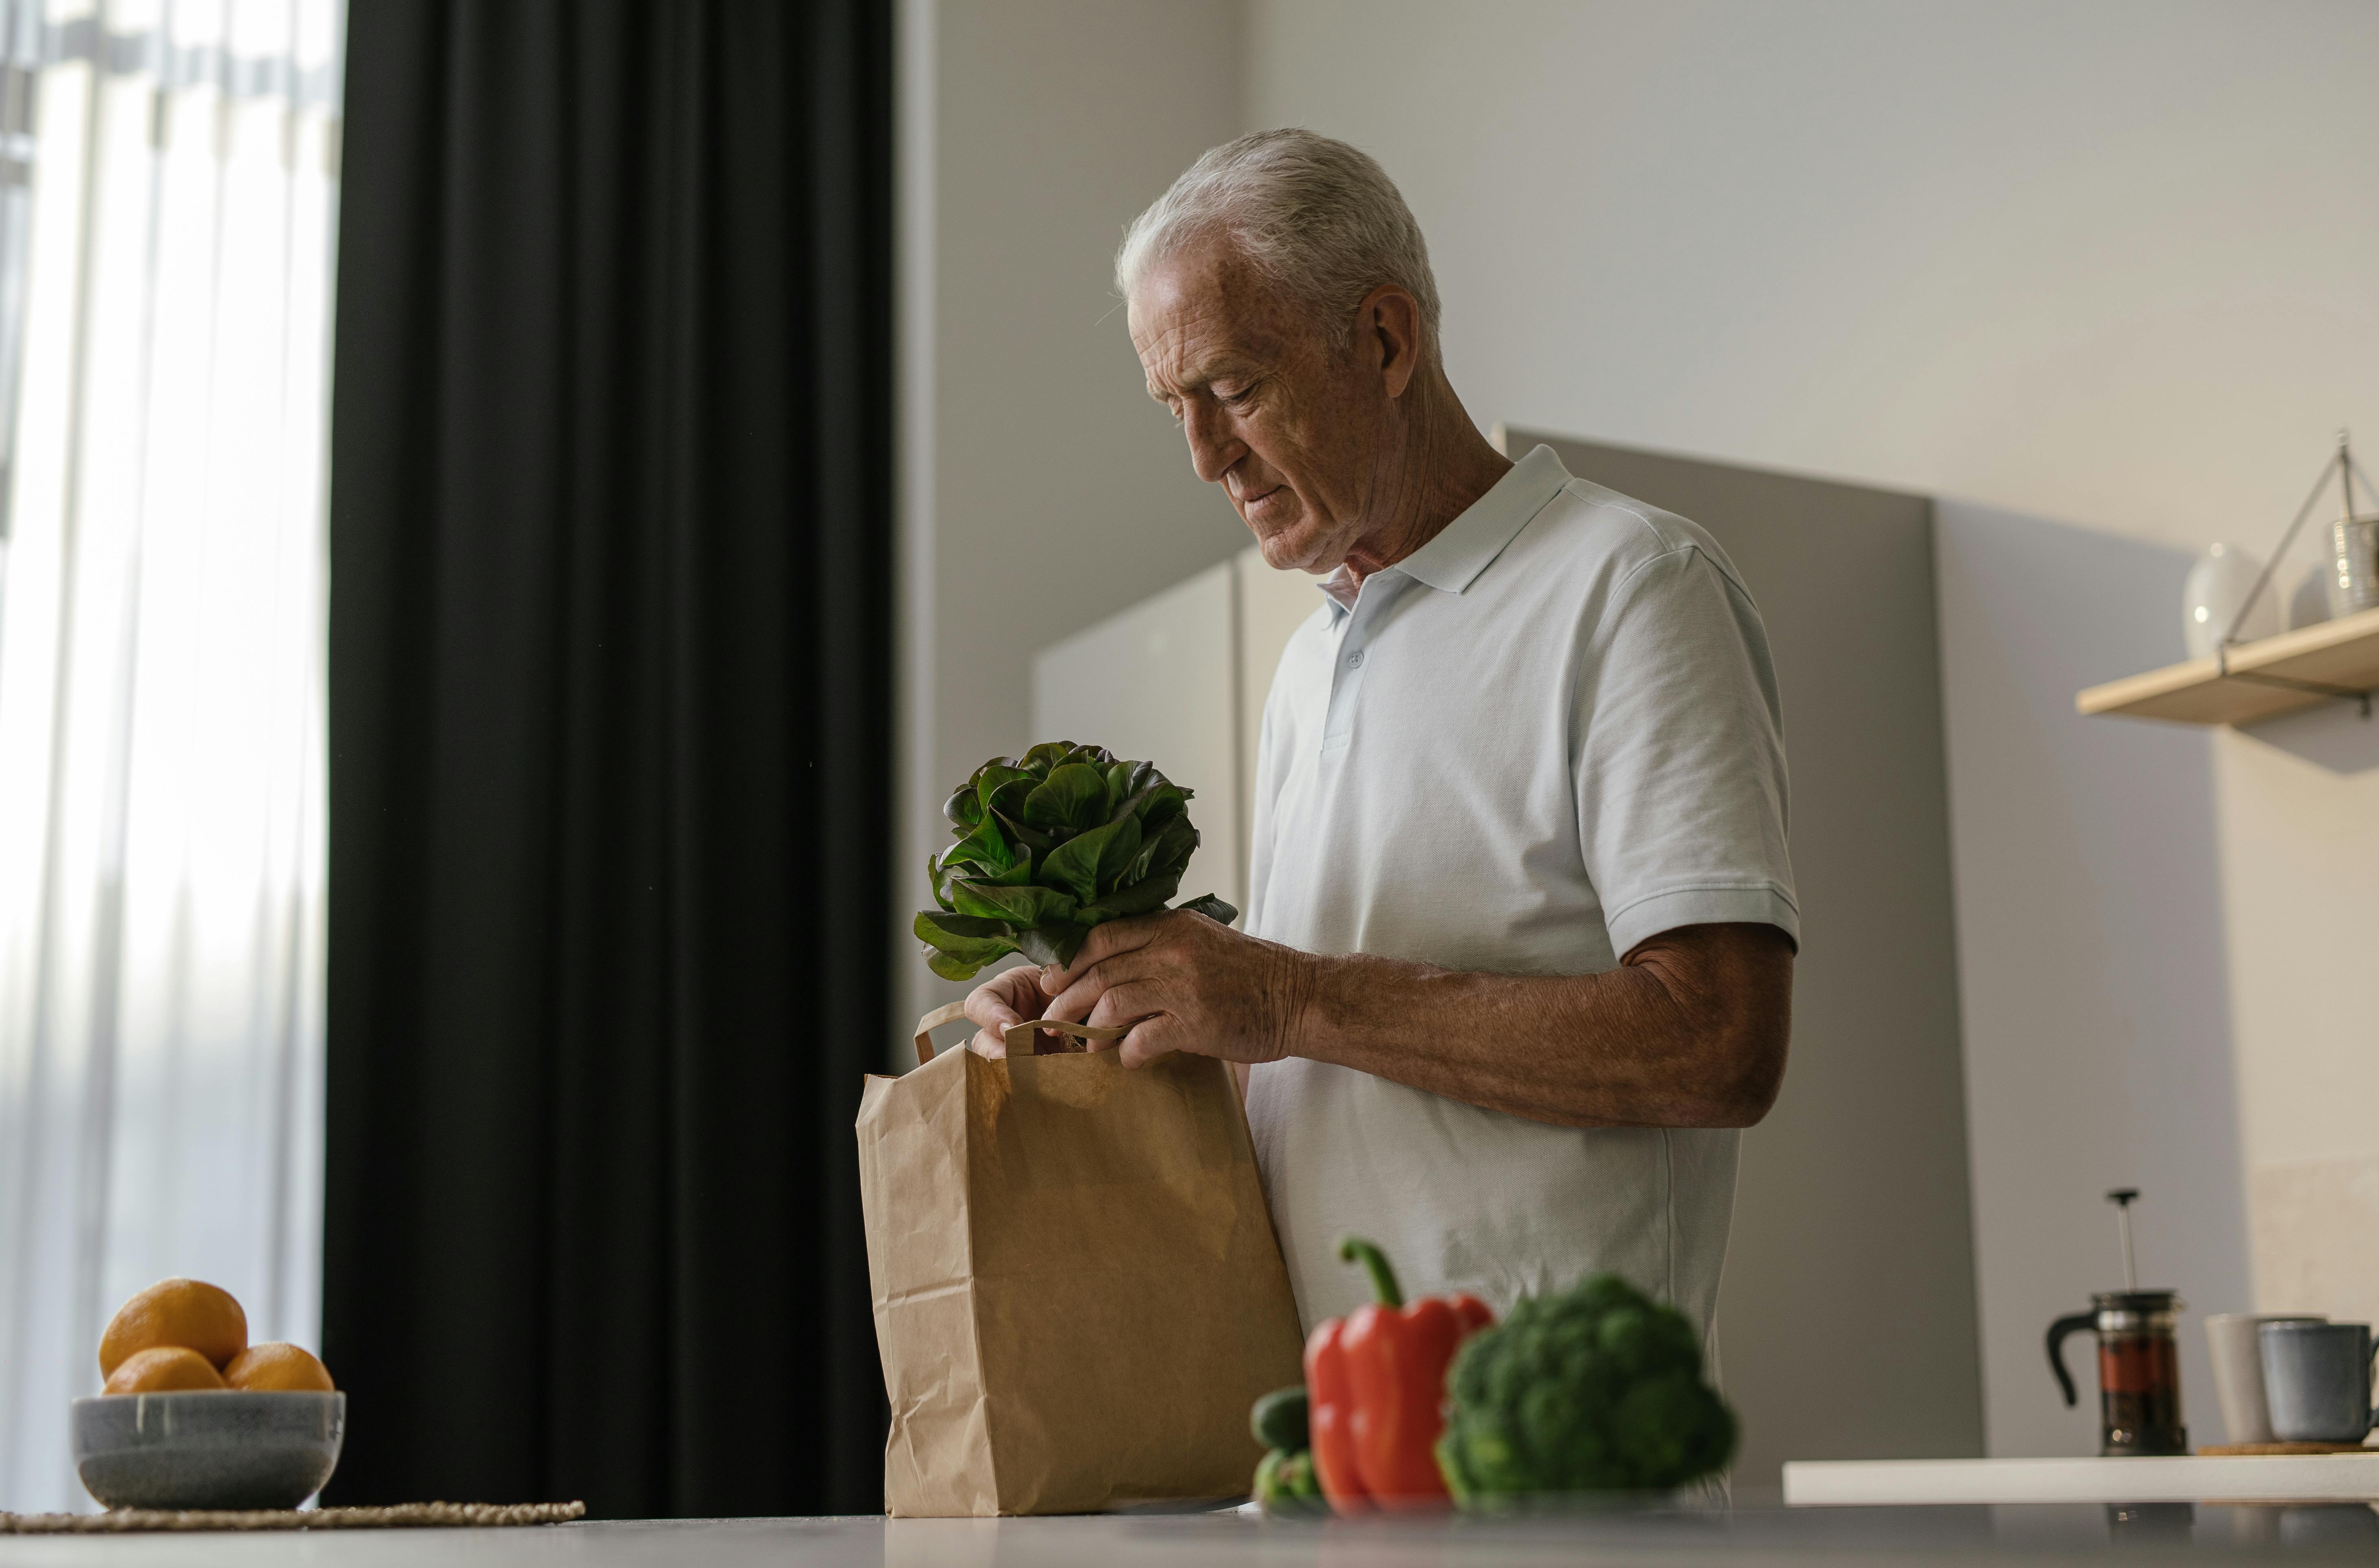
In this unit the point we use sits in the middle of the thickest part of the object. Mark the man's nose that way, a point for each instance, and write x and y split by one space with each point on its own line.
1213 446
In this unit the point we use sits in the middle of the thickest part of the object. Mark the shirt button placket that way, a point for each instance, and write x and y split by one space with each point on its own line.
1346 684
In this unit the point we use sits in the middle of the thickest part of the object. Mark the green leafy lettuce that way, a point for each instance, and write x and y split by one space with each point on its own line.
1049 845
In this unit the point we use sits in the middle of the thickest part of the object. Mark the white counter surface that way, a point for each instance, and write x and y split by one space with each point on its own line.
2295 1478
2037 1536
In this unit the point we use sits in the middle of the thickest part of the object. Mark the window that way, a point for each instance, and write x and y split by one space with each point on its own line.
167 200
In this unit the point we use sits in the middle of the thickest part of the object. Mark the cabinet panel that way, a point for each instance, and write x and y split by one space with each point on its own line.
1158 682
1853 1203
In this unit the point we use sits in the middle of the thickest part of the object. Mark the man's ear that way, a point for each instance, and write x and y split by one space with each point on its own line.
1389 323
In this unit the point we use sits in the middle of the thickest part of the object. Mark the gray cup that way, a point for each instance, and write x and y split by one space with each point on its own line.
2317 1381
2232 1340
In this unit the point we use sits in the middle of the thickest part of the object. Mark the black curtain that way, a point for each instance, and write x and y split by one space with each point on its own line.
610 722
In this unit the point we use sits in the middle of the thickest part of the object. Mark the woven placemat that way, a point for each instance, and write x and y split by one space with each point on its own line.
397 1516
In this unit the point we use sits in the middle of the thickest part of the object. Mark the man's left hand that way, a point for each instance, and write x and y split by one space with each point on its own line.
1182 983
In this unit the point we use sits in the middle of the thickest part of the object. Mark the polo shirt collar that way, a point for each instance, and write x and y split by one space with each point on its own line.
1470 544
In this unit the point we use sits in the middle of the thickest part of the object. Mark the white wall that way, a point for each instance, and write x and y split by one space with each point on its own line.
2107 262
2301 872
1043 491
2098 1049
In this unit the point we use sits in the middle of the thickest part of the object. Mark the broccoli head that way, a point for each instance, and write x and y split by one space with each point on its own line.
1597 1388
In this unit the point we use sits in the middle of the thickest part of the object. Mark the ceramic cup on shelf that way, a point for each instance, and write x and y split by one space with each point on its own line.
2230 1340
2317 1379
2218 585
2353 566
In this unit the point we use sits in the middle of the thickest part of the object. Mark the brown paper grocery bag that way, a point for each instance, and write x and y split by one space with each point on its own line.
1077 1289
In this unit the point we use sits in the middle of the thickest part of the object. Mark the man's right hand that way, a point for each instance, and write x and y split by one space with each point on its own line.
1006 999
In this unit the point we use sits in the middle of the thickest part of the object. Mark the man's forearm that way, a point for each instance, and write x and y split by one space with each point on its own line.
1689 1031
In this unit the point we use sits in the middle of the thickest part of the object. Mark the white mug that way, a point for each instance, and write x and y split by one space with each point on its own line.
2239 1370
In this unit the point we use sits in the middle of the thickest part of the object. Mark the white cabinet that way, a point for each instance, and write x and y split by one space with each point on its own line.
1179 678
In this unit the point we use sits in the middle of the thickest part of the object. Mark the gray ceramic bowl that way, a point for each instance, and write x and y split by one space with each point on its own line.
207 1449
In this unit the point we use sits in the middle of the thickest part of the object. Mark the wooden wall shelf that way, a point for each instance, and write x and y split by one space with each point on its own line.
2342 654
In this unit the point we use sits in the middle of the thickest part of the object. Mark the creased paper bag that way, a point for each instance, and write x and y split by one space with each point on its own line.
1078 1290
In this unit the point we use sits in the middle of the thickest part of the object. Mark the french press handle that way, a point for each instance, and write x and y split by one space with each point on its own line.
2056 1333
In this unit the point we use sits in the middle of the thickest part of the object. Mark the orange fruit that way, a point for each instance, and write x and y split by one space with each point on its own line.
163 1369
276 1366
189 1313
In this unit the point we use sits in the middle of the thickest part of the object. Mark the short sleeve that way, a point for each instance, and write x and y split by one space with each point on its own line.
1680 756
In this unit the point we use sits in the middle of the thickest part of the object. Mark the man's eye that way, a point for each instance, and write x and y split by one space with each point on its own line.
1233 397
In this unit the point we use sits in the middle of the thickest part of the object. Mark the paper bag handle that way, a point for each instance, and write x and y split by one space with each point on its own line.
1015 1035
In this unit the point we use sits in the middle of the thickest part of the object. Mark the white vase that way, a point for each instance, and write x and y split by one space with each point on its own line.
2218 585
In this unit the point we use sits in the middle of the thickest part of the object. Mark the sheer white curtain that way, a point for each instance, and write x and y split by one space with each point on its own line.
167 190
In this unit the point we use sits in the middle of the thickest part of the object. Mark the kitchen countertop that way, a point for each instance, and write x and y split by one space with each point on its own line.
2041 1535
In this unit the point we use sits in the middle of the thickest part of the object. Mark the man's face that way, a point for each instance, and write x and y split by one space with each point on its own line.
1284 415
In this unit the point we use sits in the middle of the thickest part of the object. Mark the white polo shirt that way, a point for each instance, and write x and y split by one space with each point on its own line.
1549 733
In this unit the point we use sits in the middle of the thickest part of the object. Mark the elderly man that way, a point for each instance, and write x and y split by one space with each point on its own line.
1520 931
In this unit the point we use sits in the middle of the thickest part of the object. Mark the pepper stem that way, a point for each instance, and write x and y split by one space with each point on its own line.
1355 1250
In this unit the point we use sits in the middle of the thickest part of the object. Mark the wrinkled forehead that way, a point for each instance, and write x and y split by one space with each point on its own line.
1201 311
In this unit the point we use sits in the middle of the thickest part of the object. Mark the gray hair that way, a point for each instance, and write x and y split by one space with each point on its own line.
1318 217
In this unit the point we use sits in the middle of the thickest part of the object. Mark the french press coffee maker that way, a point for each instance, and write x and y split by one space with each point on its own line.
2139 1360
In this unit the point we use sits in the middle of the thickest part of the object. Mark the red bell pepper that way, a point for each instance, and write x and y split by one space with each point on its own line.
1376 1383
